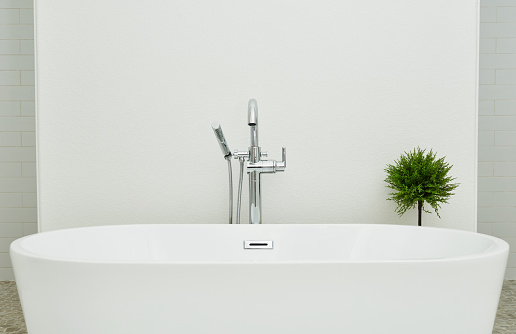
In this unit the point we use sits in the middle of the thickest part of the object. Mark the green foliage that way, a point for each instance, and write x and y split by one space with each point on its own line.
419 177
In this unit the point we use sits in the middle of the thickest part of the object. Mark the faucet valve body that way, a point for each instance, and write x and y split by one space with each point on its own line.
269 166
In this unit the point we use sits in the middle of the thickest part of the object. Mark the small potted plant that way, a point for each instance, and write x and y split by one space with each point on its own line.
417 178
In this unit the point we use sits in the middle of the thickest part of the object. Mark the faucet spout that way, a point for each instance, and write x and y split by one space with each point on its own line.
252 112
252 121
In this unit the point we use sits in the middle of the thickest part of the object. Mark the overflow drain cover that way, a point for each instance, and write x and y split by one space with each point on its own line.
258 244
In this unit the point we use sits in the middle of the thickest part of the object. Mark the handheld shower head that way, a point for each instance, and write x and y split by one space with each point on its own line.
222 141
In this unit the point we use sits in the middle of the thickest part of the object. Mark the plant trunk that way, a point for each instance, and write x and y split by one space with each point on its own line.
419 209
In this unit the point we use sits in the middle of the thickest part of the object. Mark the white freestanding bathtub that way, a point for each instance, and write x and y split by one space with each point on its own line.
316 279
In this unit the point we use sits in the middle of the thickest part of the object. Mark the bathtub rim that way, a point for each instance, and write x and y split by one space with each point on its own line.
499 248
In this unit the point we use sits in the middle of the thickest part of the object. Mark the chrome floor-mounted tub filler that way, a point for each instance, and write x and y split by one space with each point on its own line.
255 167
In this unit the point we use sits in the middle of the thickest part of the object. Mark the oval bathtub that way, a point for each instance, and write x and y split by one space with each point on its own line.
196 279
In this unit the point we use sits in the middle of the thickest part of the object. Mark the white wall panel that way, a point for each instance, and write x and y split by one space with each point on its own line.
127 91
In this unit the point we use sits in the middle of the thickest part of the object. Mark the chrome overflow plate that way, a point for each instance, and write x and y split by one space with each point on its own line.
258 244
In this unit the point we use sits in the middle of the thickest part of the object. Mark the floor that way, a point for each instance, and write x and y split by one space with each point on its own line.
505 322
12 322
11 316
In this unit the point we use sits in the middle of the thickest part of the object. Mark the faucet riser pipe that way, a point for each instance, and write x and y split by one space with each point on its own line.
255 154
254 141
255 198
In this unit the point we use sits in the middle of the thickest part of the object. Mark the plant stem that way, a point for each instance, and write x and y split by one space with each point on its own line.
419 209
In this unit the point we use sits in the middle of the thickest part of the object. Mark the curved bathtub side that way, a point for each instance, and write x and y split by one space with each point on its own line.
424 297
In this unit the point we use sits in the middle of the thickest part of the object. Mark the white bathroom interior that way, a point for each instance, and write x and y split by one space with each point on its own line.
346 88
120 111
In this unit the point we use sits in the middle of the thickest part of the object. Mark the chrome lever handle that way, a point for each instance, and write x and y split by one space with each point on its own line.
281 165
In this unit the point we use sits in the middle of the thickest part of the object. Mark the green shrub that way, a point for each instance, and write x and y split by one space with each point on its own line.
417 178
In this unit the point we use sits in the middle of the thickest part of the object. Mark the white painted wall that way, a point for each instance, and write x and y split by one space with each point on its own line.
497 124
127 91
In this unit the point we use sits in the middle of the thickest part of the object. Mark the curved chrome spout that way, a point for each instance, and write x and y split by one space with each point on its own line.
252 121
252 112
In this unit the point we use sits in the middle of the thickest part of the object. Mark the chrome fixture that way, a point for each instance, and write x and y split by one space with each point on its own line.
256 164
221 139
227 155
258 244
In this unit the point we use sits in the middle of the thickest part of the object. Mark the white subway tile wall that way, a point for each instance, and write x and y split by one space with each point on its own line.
17 128
497 124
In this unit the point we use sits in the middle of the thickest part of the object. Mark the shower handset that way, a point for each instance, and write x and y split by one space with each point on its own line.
222 141
227 155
